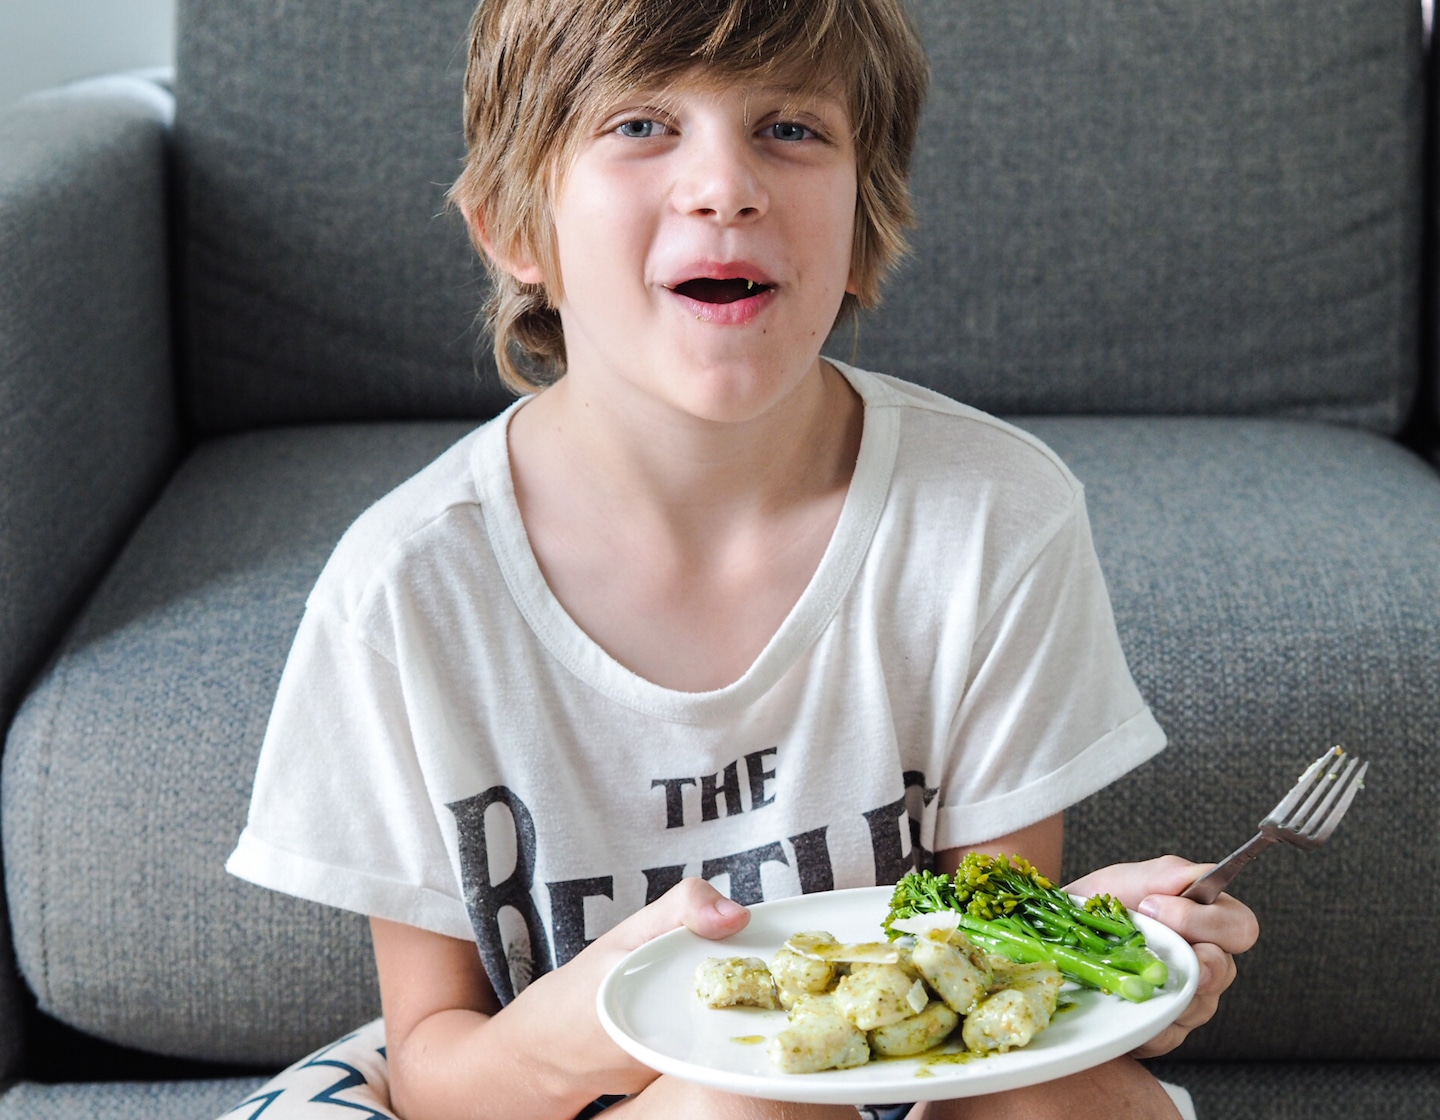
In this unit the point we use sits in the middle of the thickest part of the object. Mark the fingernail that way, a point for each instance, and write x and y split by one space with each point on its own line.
1149 908
727 908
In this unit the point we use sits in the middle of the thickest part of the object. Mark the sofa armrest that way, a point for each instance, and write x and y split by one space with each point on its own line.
87 412
88 423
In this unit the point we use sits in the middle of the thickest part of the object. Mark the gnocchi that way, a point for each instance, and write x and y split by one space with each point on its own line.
848 1004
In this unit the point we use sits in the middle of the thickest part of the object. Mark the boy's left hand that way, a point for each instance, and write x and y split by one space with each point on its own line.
1216 932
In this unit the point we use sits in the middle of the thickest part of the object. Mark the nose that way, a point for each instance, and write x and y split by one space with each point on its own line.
720 177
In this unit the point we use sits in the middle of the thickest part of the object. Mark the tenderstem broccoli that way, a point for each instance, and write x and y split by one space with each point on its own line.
1007 907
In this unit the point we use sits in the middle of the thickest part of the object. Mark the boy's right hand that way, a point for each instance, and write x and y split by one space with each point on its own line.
566 996
546 1054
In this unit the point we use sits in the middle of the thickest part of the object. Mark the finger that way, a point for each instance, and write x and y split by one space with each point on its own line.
1227 922
1217 974
1200 1011
1217 970
1132 882
1167 1040
692 903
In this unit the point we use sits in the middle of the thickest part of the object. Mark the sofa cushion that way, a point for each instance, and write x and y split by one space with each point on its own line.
324 277
126 1100
127 774
1166 207
1277 589
1275 583
1125 207
1308 1090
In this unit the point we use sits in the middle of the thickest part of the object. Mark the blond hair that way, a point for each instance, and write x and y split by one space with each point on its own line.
537 67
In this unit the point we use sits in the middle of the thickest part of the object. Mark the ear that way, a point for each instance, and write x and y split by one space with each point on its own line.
522 267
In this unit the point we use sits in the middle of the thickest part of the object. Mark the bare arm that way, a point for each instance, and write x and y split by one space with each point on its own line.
1042 843
454 1054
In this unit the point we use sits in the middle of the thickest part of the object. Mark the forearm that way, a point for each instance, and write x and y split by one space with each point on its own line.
455 1054
465 1065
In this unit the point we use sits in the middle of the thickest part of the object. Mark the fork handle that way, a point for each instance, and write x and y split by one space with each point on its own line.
1207 888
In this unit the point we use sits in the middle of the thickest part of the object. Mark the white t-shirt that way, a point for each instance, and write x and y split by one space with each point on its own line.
449 750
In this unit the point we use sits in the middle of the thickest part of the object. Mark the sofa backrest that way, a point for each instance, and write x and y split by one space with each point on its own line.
323 278
1167 207
1126 206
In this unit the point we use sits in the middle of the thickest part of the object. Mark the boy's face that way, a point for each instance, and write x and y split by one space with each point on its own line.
703 237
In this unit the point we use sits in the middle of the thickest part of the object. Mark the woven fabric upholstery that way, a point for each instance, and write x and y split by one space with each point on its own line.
324 278
127 774
1308 1090
86 417
1161 206
1147 206
127 1100
1277 589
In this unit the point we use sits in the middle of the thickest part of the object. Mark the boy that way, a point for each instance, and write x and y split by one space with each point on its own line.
704 606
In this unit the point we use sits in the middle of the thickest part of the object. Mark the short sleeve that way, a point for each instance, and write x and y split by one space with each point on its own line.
340 813
1050 713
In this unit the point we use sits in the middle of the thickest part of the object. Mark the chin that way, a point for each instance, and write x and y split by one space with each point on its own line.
730 398
735 388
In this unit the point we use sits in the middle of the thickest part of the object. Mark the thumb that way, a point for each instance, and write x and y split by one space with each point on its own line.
1131 883
691 903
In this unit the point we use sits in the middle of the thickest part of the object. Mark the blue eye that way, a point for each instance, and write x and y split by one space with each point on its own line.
790 131
637 130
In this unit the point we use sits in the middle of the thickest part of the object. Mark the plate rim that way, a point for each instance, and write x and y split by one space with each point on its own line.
804 1088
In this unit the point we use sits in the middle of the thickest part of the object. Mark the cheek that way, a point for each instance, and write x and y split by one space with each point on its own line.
828 220
600 240
834 242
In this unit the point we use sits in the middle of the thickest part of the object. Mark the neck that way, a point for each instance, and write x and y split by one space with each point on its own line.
685 470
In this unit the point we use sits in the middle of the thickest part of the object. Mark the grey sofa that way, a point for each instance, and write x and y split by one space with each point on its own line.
1189 245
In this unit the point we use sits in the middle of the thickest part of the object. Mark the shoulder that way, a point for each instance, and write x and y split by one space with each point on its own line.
971 505
949 451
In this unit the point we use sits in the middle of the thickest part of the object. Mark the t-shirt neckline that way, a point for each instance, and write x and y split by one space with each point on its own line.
812 612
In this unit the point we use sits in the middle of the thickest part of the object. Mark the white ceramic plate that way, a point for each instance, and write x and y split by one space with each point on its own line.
649 1006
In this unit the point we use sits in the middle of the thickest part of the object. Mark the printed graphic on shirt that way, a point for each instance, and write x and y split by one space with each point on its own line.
517 944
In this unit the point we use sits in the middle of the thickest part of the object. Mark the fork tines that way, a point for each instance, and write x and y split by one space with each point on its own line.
1310 812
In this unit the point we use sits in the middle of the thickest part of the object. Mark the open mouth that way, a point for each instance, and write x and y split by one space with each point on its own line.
706 289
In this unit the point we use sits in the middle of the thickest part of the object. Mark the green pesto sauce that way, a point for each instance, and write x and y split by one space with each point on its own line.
948 1058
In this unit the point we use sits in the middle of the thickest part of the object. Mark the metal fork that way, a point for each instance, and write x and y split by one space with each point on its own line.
1305 817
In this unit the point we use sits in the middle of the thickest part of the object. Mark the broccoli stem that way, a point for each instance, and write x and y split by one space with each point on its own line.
1028 949
1128 958
1006 906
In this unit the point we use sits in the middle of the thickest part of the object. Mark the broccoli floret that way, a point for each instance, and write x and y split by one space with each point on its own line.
1008 907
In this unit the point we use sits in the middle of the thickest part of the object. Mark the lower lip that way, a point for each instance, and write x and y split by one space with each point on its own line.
738 313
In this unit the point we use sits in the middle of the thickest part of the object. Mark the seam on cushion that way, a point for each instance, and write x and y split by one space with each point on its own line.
42 810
